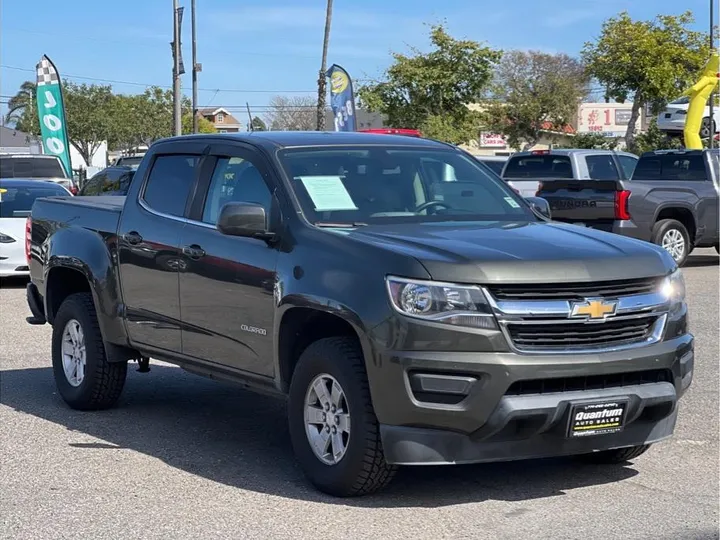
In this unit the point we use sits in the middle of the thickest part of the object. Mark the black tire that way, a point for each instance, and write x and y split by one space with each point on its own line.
103 381
664 226
363 469
616 456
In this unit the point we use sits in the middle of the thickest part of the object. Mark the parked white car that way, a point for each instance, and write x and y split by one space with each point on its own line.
672 119
16 199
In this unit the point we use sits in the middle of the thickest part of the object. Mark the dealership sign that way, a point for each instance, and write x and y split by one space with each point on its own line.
608 119
492 140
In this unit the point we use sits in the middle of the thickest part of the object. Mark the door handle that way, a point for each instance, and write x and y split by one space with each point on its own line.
194 251
133 238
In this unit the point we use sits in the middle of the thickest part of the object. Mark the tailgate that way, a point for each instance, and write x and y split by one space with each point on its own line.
586 202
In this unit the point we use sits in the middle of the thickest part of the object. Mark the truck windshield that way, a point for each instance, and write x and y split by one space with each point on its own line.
30 167
359 185
17 201
539 166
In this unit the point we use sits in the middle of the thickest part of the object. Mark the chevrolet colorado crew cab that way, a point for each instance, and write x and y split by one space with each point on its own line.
670 200
413 309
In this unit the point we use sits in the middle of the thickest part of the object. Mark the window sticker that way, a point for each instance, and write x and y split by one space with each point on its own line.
328 193
512 202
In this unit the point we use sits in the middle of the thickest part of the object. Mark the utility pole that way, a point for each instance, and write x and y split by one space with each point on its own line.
711 142
177 97
195 69
322 77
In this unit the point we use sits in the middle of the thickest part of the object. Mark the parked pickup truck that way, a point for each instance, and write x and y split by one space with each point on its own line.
409 319
671 200
525 170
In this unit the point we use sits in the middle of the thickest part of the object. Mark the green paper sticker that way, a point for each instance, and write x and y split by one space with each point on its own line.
328 193
512 202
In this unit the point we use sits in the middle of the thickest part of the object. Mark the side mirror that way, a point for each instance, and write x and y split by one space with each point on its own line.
540 206
243 219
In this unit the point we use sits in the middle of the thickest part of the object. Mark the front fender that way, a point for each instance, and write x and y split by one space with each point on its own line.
92 255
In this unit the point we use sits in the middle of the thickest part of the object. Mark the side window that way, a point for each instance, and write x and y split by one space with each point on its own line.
169 184
94 185
235 180
124 183
628 165
602 167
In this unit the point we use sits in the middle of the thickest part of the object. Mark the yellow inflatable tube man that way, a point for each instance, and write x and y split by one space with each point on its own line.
699 94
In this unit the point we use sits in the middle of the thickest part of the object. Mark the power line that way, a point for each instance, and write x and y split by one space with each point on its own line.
135 83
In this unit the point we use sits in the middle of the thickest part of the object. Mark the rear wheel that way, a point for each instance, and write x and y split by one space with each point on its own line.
84 377
618 455
333 428
674 238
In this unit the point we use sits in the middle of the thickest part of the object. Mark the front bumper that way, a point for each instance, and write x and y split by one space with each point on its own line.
498 420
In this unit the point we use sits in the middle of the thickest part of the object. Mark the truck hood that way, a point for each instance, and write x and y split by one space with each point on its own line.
494 252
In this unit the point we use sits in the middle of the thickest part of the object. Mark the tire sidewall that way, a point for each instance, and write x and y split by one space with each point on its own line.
664 226
72 309
340 476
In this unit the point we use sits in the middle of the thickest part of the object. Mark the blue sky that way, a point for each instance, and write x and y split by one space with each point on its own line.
251 50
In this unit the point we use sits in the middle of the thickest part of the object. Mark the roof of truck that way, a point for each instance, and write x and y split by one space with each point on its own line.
288 139
569 151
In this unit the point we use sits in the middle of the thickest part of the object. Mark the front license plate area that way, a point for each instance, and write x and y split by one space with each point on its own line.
598 418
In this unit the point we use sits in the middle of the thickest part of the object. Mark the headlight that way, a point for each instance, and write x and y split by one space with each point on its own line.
673 287
459 305
5 239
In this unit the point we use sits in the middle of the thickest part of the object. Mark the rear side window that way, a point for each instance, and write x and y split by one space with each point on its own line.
169 183
671 167
541 166
628 165
94 185
602 167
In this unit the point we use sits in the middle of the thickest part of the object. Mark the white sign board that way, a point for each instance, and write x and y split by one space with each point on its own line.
608 119
492 140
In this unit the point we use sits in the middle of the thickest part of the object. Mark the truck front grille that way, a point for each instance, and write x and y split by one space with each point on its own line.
581 335
574 291
590 382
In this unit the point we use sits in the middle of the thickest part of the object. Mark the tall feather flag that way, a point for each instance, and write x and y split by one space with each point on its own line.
51 112
342 99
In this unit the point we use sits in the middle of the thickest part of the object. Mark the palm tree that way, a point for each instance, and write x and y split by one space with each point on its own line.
322 78
22 111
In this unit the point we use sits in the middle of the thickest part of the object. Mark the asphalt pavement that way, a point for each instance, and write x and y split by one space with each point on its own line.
185 457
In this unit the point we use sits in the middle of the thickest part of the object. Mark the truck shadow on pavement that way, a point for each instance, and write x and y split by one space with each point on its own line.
229 435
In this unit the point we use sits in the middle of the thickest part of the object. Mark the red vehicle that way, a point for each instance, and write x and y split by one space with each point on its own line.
393 131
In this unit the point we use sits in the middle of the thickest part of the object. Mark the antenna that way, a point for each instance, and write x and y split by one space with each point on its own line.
250 125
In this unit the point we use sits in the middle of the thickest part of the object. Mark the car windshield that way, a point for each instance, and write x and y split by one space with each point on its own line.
361 185
17 201
30 167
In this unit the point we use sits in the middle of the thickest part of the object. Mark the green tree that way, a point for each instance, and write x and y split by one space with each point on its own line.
431 91
258 124
22 111
204 125
535 92
89 113
650 62
654 139
592 141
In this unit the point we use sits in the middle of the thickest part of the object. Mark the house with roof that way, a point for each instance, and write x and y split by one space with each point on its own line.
222 119
13 141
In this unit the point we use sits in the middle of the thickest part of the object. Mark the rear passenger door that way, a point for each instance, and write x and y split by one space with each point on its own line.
227 282
149 247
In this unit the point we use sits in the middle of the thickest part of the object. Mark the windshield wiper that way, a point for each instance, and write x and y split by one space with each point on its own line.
346 225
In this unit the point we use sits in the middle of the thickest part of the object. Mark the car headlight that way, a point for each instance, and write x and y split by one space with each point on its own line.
673 287
448 303
5 239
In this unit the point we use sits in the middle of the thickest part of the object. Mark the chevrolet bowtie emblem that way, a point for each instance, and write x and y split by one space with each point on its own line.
593 309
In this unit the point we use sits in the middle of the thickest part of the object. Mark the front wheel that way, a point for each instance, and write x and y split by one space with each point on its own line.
84 377
333 427
673 236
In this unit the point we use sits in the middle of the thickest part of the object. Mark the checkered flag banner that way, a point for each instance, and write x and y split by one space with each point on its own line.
46 73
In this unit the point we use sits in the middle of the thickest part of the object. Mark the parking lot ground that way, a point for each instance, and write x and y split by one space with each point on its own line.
185 457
